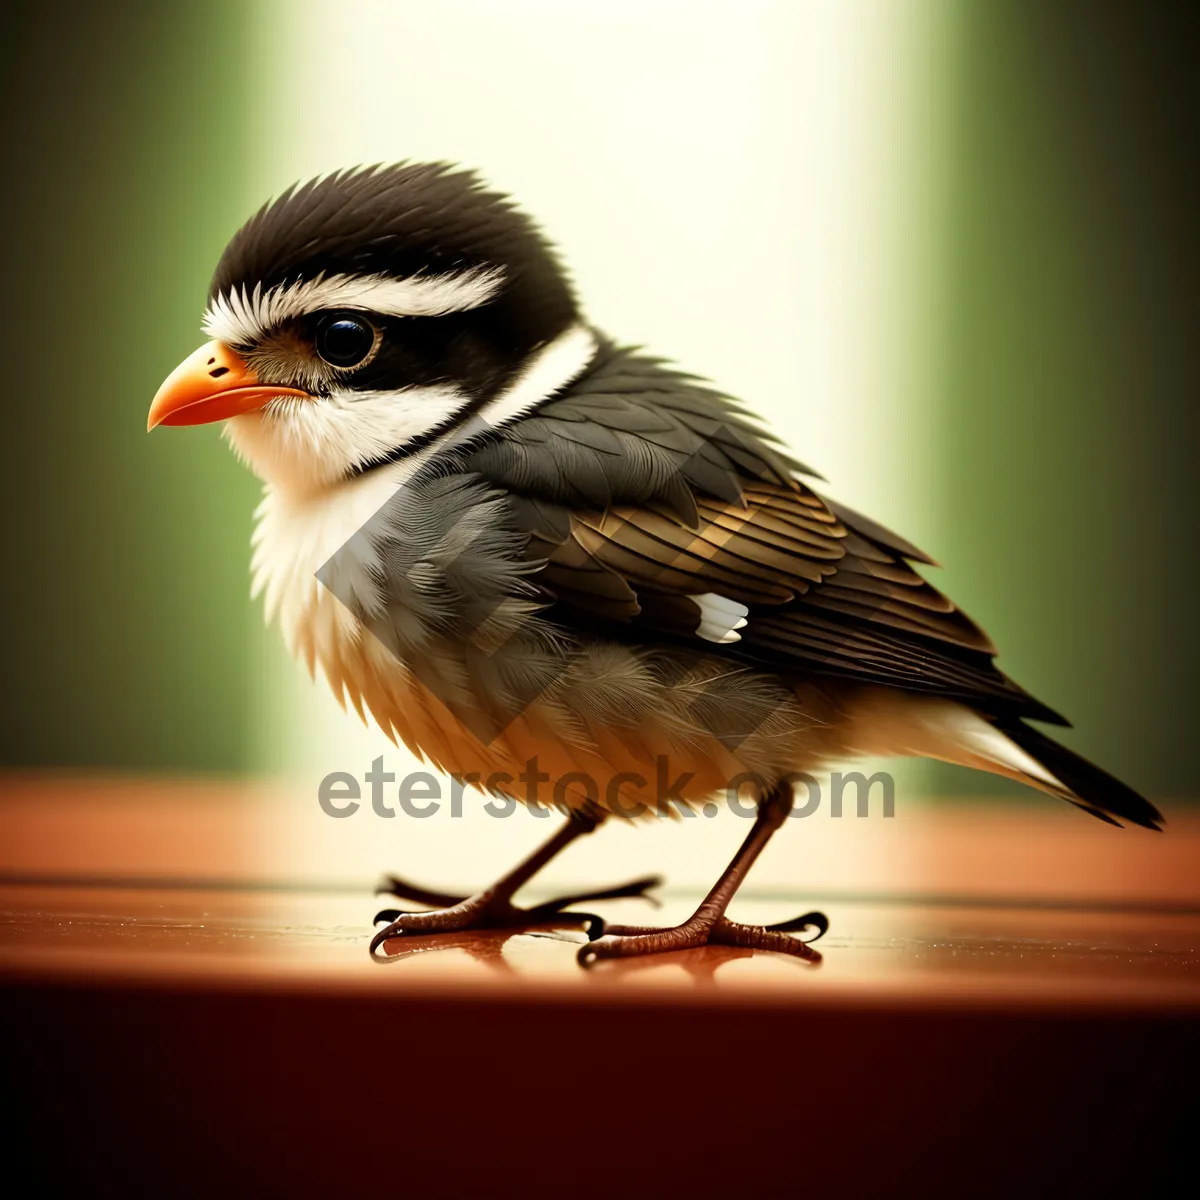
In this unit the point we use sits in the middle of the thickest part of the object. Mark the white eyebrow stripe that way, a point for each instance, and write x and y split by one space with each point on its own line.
240 316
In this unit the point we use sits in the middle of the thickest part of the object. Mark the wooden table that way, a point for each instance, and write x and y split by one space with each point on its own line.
1020 1017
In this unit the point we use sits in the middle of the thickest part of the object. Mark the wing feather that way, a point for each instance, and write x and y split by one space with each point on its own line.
642 490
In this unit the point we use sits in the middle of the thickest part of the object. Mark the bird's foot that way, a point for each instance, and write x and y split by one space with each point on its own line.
491 910
624 941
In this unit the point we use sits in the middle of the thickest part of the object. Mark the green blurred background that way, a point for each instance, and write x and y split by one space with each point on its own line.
1045 167
127 630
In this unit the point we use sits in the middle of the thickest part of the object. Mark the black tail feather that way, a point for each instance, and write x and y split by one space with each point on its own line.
1092 789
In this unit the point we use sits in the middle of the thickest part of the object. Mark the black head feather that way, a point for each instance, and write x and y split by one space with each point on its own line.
413 219
401 220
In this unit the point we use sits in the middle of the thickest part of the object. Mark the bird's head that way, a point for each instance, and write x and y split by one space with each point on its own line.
363 315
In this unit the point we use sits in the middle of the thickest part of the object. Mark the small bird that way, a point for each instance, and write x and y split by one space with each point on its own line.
558 568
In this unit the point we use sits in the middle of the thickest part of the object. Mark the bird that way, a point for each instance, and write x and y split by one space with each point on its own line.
560 568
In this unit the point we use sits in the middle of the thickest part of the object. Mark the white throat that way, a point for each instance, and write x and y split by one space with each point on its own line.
302 522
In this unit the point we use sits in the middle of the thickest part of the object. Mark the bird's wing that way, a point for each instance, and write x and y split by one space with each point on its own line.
659 511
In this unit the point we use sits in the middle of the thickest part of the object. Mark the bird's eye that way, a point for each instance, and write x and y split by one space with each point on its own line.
344 340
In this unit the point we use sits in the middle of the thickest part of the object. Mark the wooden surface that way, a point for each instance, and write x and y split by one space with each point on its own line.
891 951
1033 992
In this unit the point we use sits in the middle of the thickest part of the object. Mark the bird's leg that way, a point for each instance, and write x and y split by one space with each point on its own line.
708 924
493 907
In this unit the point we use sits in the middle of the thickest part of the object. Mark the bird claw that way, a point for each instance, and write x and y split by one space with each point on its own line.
393 885
493 912
623 941
634 889
809 920
391 914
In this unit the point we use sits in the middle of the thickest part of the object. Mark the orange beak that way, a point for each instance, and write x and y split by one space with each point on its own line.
210 385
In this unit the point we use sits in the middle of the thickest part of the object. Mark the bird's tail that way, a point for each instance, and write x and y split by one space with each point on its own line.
893 722
1082 782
